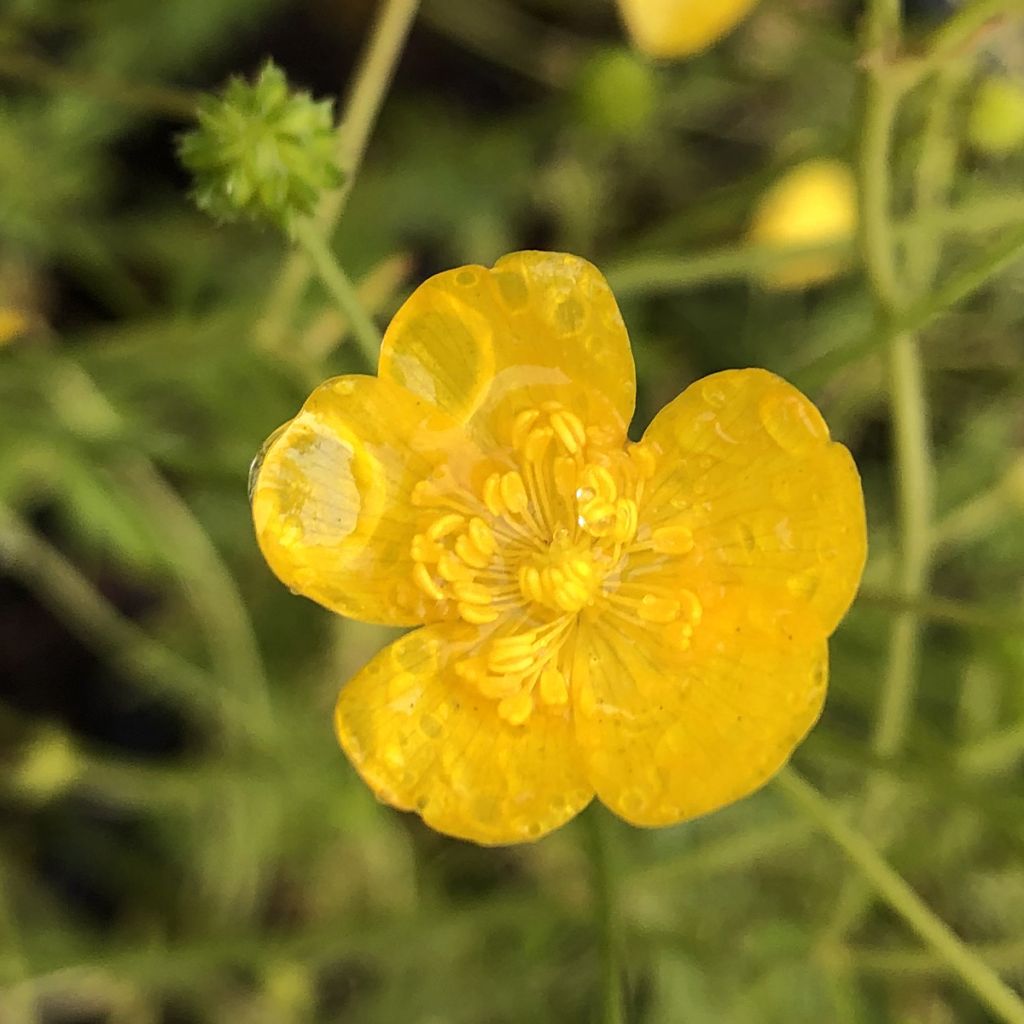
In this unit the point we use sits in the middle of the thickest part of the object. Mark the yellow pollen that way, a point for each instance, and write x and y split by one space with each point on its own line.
521 426
477 615
470 553
445 525
570 430
513 492
426 582
452 568
472 593
482 536
537 444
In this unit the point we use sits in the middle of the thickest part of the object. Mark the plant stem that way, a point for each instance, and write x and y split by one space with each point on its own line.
62 588
606 913
957 31
369 87
914 489
892 887
337 282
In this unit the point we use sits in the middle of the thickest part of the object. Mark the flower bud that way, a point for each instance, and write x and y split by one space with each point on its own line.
680 28
996 122
815 202
261 151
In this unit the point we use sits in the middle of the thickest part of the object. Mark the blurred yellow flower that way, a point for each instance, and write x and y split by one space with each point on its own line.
679 28
13 322
644 621
815 202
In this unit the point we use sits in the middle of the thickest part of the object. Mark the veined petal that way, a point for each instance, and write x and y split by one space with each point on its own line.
425 740
744 464
331 495
668 739
488 343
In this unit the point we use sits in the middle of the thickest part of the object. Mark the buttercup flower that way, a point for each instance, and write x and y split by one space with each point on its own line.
680 28
813 202
644 621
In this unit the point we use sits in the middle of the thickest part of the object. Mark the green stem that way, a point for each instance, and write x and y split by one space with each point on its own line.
956 33
606 913
157 99
891 886
370 85
914 487
337 282
62 588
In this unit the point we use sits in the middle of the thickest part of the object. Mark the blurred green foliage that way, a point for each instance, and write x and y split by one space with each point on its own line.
181 841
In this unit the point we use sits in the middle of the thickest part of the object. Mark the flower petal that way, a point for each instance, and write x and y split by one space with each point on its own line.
331 495
679 28
537 327
744 463
668 739
425 740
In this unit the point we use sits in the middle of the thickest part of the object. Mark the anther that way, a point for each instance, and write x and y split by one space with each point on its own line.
570 430
513 492
426 582
470 553
521 426
453 569
482 536
471 593
445 525
477 614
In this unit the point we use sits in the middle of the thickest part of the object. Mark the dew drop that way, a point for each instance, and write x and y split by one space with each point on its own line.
793 423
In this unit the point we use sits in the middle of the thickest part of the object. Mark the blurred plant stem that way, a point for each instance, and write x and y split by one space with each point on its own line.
599 839
338 283
179 104
19 1005
884 90
364 101
58 584
205 581
890 885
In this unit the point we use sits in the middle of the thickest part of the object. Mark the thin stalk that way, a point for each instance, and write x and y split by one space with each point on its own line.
960 29
376 69
891 886
59 585
179 104
342 290
914 487
607 914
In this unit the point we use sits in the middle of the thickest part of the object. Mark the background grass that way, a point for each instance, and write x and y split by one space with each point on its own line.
180 838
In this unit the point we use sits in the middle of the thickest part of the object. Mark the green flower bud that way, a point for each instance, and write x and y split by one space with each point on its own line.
996 122
261 151
617 94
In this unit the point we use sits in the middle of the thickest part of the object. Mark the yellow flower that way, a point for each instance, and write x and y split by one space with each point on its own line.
13 322
645 621
815 202
680 28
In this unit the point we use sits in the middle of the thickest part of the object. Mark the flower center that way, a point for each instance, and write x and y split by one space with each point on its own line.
541 540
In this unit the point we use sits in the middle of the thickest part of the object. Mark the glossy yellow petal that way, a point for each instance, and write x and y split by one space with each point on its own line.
815 202
489 343
331 496
679 28
426 740
670 739
745 468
